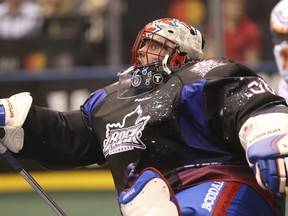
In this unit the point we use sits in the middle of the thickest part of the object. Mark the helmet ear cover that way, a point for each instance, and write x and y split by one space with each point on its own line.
177 59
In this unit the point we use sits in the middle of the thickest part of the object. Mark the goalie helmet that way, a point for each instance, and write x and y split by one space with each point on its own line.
279 34
180 43
160 48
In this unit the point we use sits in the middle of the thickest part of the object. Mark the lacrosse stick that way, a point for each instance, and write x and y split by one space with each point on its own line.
19 168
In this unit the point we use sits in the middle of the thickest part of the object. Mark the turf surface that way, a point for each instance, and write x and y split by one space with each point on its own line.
102 203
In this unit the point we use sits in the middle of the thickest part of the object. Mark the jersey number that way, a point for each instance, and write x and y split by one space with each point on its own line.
259 87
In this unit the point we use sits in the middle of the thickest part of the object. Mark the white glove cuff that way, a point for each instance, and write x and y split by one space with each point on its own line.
16 109
263 126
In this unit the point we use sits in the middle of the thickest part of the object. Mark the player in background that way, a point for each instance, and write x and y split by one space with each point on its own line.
181 135
279 33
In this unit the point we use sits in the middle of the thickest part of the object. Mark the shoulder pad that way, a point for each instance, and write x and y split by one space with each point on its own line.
218 67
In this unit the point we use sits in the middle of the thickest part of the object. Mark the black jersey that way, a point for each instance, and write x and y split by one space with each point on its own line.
190 121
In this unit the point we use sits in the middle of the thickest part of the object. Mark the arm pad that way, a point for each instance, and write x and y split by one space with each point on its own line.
13 112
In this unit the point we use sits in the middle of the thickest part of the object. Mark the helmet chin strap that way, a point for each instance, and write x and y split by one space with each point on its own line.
165 65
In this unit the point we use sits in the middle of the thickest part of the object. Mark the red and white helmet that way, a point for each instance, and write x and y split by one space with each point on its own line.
279 22
184 42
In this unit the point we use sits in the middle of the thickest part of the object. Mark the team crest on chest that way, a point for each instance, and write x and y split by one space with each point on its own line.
126 135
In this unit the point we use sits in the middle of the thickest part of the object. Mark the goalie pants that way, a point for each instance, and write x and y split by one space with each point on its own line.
222 199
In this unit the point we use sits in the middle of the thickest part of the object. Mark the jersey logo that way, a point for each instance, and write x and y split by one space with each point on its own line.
121 137
203 67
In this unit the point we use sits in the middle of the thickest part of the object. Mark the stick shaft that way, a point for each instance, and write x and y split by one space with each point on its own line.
19 168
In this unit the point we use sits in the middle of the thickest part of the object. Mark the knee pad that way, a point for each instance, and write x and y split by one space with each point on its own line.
150 195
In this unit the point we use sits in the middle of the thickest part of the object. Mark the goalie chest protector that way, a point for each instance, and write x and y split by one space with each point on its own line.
145 129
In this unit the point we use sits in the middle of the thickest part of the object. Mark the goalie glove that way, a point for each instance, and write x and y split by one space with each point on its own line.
13 112
265 140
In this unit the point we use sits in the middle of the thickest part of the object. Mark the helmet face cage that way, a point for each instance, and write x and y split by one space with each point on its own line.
180 41
146 38
160 48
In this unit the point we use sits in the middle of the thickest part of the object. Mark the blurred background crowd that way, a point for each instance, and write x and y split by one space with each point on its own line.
40 34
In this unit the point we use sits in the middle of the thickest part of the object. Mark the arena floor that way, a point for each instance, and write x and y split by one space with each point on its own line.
78 193
72 203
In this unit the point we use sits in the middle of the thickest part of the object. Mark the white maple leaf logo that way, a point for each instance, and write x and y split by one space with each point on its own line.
121 137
